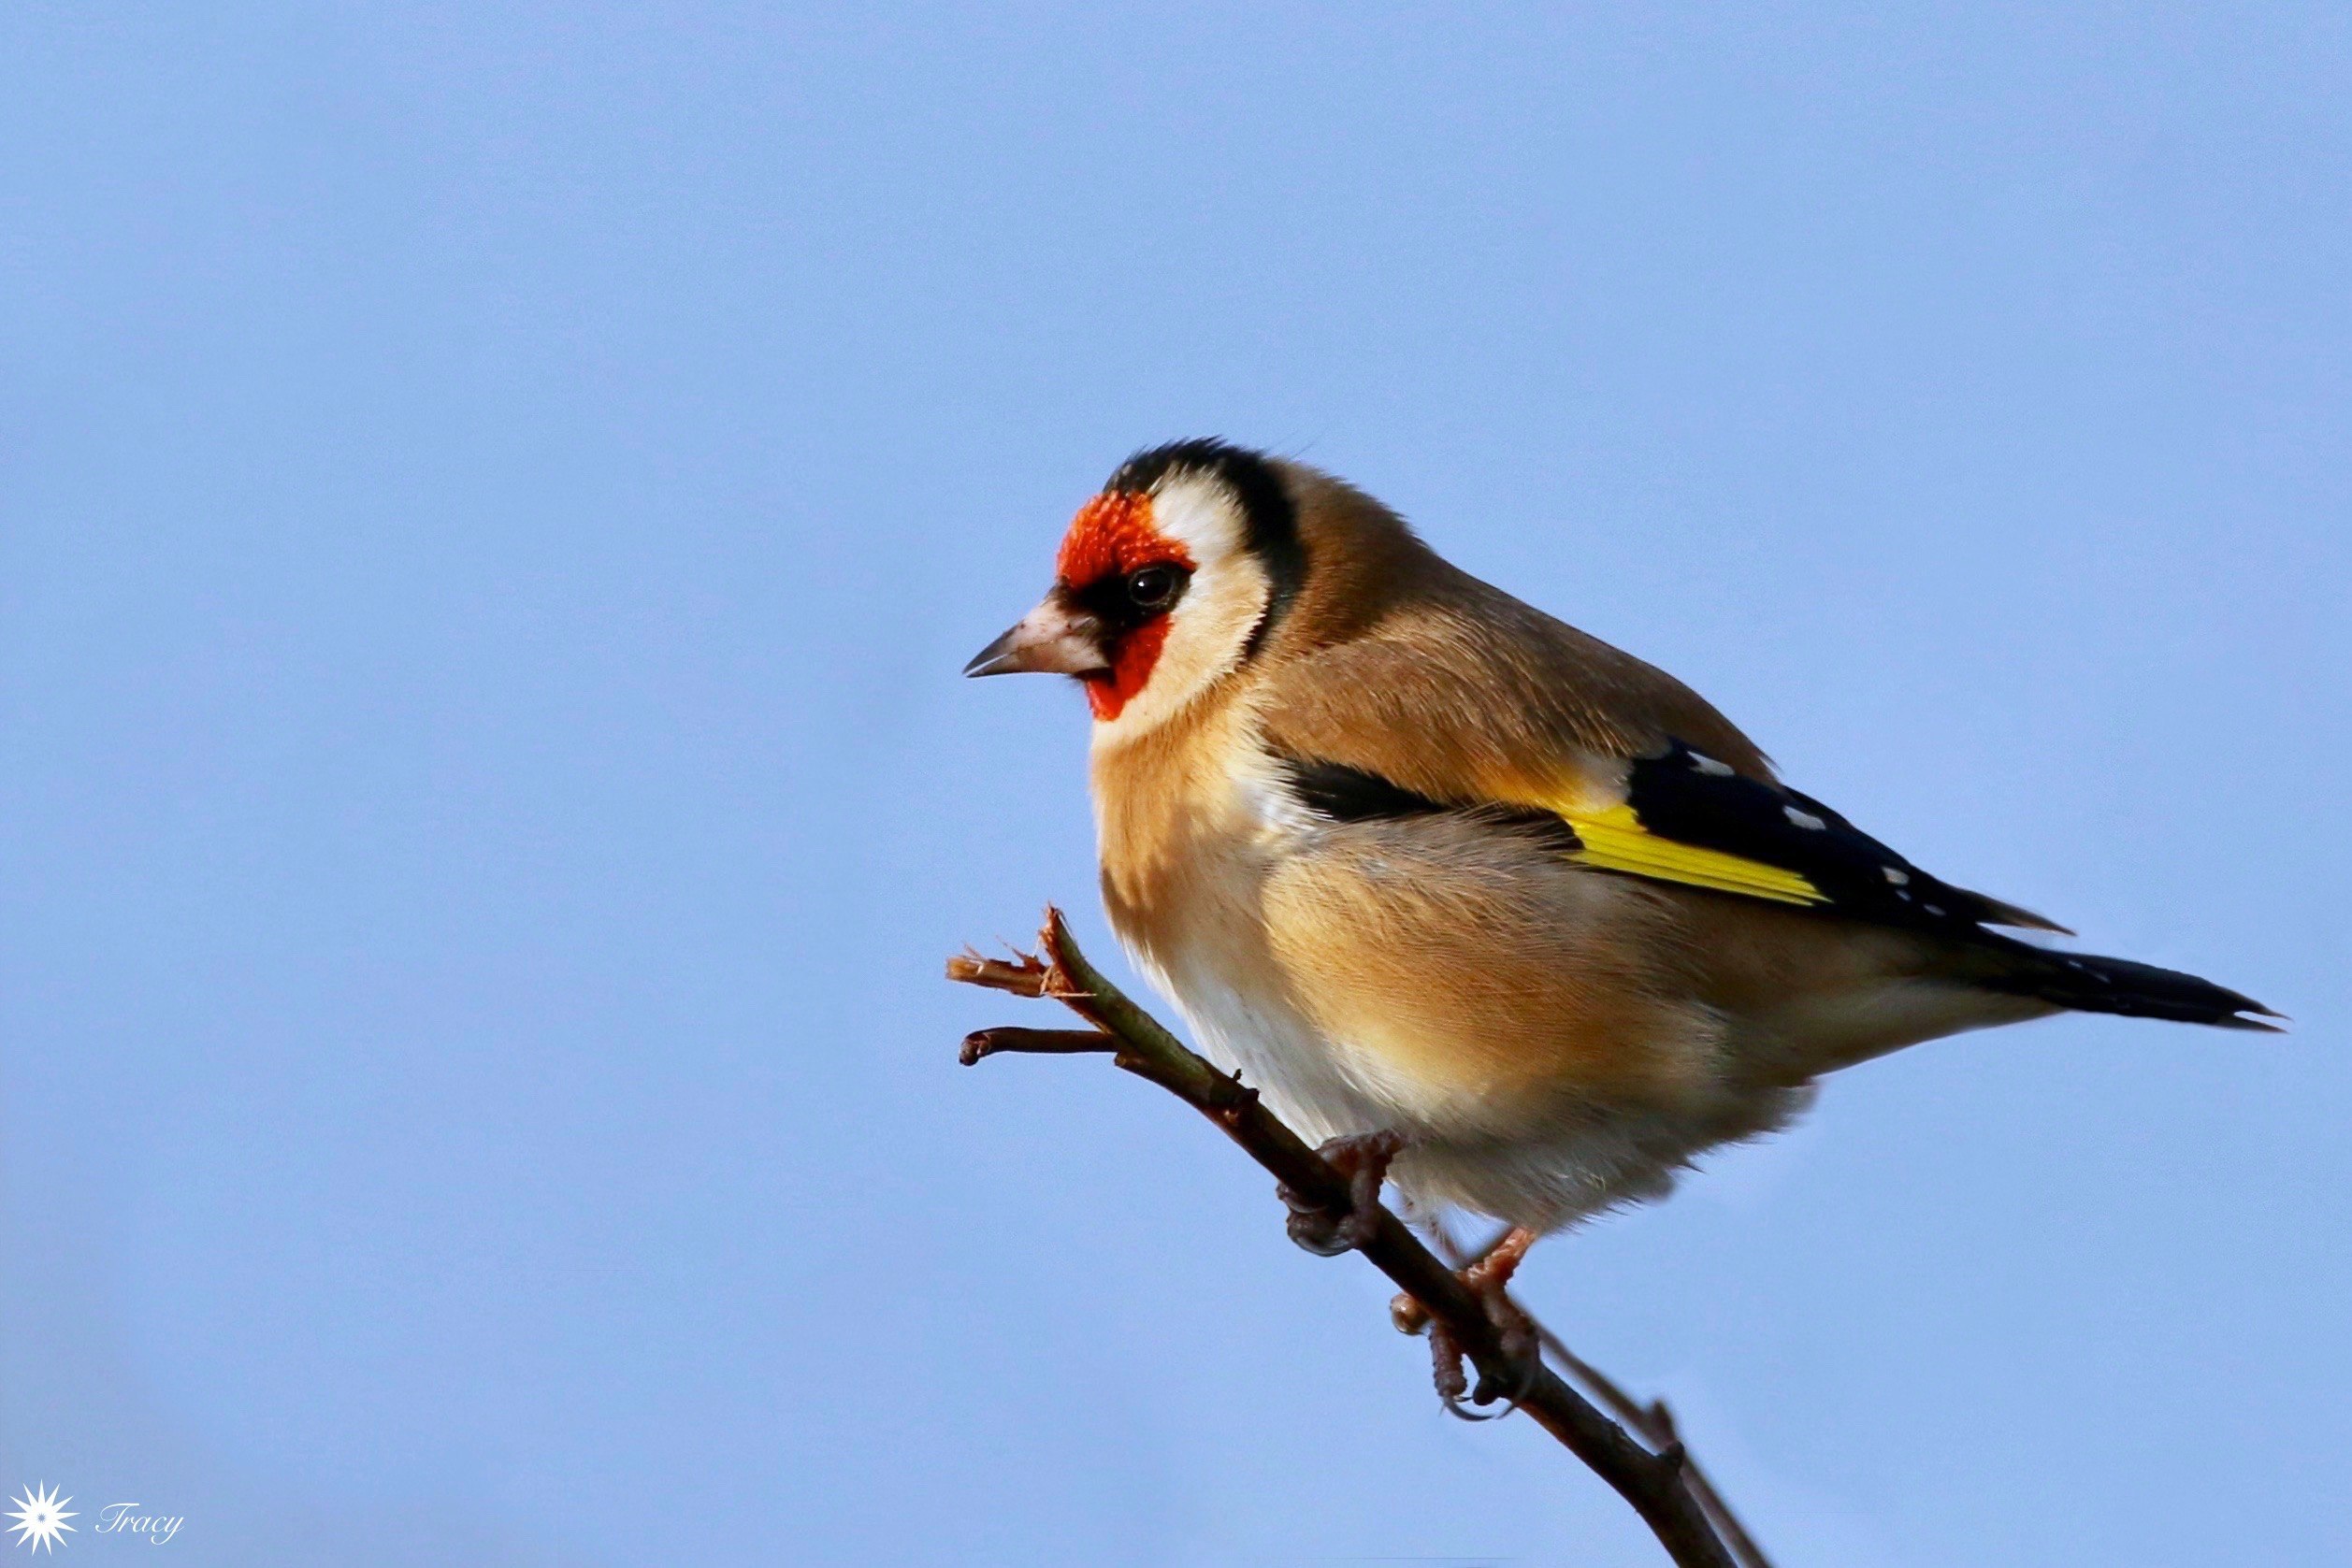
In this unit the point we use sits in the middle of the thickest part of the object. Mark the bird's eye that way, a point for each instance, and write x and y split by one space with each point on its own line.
1154 587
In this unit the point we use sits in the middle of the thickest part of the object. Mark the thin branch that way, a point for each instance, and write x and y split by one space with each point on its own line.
1657 1484
1035 1042
1654 1422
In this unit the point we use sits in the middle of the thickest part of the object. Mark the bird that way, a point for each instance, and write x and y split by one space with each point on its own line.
1486 907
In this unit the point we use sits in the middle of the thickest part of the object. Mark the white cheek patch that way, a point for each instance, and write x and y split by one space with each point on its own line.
1221 605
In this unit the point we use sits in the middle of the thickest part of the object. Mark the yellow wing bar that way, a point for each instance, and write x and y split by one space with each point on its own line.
1615 840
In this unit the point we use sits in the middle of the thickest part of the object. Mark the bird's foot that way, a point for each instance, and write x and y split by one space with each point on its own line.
1363 1159
1489 1279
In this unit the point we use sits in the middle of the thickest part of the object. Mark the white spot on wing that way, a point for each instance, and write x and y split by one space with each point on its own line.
1898 878
1803 819
1279 813
1710 767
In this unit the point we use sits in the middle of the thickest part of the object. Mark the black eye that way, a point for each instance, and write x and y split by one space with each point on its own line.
1154 588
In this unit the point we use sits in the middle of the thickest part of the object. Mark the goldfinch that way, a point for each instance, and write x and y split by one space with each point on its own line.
1442 875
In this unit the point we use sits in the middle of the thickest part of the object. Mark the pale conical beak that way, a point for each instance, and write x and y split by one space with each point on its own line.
1055 638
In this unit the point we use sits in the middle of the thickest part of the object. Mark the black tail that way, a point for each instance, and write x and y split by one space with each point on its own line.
2089 983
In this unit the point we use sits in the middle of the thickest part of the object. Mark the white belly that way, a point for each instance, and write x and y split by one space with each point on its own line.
1303 1078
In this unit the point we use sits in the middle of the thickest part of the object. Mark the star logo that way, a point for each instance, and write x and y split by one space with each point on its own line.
40 1520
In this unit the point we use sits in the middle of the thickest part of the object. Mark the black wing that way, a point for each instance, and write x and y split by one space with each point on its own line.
1690 819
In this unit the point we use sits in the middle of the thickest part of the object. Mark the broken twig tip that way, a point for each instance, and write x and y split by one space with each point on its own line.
1023 975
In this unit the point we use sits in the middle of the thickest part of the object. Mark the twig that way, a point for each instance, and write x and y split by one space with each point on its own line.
1036 1043
1656 1484
1654 1422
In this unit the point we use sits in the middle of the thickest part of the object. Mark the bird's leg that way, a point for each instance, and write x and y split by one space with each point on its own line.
1363 1159
1489 1279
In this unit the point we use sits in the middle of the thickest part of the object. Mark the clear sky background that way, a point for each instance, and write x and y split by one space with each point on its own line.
495 499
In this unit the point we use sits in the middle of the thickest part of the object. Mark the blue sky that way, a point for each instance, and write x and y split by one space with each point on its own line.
496 499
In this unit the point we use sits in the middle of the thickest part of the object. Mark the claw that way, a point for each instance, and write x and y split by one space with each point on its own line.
1363 1159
